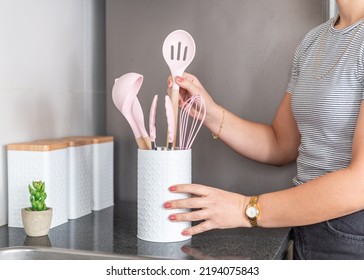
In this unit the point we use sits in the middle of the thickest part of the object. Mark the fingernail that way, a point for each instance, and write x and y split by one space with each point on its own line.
172 188
172 217
180 79
185 232
167 205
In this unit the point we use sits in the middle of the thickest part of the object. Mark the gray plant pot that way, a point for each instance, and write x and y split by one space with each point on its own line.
36 223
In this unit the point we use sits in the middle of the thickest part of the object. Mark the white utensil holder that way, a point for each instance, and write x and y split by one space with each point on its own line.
157 171
33 161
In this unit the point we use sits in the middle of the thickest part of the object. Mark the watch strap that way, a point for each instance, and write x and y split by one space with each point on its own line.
253 222
254 202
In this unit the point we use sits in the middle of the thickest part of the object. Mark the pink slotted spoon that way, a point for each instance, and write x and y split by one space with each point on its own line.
178 51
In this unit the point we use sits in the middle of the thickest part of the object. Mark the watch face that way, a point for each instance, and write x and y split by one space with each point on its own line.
252 212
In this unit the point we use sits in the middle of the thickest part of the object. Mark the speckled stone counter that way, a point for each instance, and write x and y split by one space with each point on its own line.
114 230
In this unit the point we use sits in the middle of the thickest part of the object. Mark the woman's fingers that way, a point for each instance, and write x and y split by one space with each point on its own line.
198 202
186 84
193 216
215 208
192 79
198 192
195 189
187 203
185 75
201 227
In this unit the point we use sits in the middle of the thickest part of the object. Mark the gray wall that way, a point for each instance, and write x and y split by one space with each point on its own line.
52 73
244 55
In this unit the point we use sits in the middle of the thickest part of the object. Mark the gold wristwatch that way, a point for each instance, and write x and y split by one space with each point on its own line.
252 211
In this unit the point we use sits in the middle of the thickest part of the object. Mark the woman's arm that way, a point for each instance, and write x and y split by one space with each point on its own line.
333 195
273 144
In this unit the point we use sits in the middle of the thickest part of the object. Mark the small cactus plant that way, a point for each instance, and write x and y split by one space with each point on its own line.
37 196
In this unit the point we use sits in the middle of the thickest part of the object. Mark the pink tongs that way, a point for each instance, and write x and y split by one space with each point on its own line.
170 122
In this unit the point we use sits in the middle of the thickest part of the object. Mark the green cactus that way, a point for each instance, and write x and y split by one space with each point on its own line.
37 196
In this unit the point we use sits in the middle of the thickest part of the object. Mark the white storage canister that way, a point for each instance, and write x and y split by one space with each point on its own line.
102 171
79 176
44 160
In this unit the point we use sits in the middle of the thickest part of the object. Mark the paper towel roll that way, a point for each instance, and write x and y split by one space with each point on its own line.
157 171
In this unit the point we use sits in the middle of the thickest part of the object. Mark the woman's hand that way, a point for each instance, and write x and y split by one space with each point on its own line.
190 86
216 208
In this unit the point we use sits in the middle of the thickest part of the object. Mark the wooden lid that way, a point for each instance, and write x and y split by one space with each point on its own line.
92 139
57 144
102 139
39 146
76 141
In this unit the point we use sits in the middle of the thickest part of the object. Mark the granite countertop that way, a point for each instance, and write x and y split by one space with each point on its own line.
113 230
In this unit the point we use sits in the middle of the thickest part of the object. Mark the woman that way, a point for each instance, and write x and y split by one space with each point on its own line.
320 124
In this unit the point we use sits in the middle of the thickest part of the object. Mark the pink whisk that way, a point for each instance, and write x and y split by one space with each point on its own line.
195 108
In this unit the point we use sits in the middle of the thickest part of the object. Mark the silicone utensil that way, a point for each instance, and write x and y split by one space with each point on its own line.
124 92
152 114
139 119
178 52
170 122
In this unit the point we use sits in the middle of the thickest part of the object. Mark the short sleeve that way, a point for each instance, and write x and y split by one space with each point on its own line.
294 72
300 52
360 69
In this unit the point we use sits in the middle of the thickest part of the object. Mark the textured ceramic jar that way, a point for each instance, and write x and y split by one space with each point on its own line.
157 171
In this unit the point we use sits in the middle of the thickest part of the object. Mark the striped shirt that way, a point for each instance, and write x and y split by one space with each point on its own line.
326 109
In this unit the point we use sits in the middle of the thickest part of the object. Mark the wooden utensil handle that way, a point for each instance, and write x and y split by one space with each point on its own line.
174 98
141 143
148 143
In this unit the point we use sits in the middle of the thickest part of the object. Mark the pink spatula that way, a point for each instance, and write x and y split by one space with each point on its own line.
124 93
